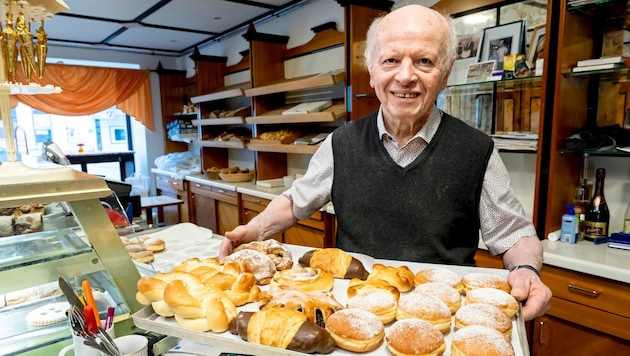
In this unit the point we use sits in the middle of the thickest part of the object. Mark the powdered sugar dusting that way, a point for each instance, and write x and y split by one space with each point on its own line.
423 306
372 300
487 340
483 314
443 291
490 296
357 322
438 274
414 336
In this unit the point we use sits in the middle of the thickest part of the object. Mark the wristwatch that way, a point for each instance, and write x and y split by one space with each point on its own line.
529 267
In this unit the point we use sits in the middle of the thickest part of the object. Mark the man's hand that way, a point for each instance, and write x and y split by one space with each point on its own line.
528 288
240 235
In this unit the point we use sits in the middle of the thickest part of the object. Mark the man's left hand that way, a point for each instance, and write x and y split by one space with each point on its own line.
528 288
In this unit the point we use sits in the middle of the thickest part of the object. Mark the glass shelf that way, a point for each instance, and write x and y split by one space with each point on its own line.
503 82
603 153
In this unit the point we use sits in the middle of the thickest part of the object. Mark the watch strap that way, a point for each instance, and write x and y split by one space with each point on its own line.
529 267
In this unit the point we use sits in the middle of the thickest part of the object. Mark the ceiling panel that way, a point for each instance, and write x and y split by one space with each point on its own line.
111 9
214 16
75 29
157 38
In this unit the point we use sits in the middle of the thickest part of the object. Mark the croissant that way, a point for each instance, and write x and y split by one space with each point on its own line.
336 261
317 305
279 254
282 328
400 277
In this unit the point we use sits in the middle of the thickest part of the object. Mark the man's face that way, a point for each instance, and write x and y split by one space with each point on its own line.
409 71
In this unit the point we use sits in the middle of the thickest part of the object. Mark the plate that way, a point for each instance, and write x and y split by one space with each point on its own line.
237 177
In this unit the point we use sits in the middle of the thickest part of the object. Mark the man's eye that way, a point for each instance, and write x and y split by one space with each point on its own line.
424 61
389 60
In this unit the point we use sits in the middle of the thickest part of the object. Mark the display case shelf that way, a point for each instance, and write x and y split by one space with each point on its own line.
307 82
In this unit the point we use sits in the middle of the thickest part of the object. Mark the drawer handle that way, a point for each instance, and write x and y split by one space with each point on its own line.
197 185
590 292
220 190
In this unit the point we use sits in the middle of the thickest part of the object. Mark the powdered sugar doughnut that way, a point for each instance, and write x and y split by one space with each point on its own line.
355 330
496 297
477 340
449 295
47 315
484 314
378 302
475 280
425 307
414 337
438 274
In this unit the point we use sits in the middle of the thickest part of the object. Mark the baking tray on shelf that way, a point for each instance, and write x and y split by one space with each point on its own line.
147 319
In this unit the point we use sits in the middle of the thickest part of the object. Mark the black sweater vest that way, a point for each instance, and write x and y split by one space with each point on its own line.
425 212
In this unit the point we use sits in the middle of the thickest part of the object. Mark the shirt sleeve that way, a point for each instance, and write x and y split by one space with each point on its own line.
312 191
502 218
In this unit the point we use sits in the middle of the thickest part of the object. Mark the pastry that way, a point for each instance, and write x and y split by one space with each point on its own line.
279 254
154 245
449 295
143 256
484 314
474 280
439 274
307 279
414 337
400 277
151 290
317 306
283 328
477 340
500 299
356 330
425 307
47 315
6 226
257 263
27 223
357 286
376 301
336 261
199 307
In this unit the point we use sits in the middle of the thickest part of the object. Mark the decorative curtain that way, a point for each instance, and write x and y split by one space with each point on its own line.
88 90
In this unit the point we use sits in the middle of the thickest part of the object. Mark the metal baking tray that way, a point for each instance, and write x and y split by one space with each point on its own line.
147 319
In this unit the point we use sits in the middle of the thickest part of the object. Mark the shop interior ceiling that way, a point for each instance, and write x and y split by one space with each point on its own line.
161 27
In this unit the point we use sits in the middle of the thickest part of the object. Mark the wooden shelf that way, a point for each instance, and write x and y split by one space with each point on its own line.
280 148
335 112
219 121
221 144
223 93
307 82
179 114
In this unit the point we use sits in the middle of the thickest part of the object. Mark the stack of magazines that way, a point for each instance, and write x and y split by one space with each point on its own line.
581 2
527 141
619 240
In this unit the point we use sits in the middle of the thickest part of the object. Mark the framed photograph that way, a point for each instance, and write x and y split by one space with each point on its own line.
117 134
500 41
479 72
468 46
536 45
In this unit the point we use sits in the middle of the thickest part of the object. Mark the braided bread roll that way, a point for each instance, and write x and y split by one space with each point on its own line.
336 261
151 290
400 277
282 328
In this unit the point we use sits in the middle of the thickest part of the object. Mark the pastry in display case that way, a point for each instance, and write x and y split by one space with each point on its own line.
68 235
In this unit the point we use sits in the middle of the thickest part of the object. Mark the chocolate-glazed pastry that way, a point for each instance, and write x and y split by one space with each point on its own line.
336 261
283 328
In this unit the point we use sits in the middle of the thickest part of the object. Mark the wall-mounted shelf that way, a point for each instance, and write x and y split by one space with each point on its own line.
333 113
308 82
223 93
221 144
282 148
219 121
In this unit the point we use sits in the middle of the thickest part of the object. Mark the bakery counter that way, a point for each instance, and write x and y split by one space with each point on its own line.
149 320
586 257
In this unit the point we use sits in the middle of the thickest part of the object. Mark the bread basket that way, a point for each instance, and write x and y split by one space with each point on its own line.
238 177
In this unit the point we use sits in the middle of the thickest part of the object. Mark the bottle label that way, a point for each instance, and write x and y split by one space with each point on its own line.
626 226
595 229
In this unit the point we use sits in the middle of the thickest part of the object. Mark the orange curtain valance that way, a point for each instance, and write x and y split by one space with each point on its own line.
89 90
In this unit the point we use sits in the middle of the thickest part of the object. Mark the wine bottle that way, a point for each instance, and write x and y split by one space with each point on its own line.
597 215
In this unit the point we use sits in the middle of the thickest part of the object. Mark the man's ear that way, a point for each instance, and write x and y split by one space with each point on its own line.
371 80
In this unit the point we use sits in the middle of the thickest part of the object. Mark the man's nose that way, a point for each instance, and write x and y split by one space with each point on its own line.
406 72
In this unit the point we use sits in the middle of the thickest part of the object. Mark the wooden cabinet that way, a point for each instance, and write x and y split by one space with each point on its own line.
588 316
215 208
175 188
173 94
310 232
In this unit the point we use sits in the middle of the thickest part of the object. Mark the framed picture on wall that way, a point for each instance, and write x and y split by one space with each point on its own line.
468 46
117 134
536 45
502 40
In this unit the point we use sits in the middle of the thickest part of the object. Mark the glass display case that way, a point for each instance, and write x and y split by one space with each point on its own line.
76 241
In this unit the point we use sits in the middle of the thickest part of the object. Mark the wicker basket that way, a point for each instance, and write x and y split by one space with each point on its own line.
238 177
